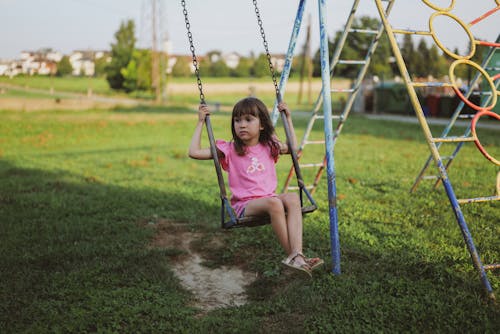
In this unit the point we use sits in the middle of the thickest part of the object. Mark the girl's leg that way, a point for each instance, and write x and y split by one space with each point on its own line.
291 202
272 206
288 228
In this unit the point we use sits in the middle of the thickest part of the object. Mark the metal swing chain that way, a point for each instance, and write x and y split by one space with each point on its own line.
300 181
193 53
268 55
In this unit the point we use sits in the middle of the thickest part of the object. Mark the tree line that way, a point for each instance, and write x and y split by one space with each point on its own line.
130 68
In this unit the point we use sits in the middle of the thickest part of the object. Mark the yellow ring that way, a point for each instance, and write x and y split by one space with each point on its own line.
441 9
494 92
463 25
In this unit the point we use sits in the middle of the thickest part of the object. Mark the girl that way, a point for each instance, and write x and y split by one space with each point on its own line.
249 159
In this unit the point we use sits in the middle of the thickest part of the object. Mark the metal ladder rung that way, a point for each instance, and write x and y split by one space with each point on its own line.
342 90
311 165
491 266
478 199
467 116
314 142
364 31
411 32
481 93
431 84
321 116
452 139
430 177
309 187
493 68
352 62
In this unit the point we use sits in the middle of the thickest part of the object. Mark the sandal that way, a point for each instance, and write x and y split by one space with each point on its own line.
314 262
291 262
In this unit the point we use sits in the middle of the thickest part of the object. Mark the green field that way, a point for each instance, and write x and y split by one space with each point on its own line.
78 191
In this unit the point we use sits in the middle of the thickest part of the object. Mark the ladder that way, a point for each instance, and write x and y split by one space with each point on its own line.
310 162
459 113
435 142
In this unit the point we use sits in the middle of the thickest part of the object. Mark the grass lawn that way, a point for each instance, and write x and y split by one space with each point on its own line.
77 186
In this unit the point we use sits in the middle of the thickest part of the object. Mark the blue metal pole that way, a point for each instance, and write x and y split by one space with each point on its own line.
289 57
327 112
476 260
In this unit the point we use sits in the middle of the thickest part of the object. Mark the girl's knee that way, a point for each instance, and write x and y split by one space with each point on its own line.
291 199
276 205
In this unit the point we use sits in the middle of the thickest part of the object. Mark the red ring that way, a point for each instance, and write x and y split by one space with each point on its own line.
476 139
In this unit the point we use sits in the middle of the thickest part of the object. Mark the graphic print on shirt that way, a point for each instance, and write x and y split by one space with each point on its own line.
256 166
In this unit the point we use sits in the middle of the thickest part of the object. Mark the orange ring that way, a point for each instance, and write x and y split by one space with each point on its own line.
476 139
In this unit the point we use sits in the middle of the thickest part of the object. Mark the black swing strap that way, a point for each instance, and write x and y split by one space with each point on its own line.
226 207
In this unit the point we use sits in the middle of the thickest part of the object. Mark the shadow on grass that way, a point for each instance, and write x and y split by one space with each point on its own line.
75 259
74 255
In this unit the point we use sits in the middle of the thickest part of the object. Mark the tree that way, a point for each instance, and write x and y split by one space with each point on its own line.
421 59
244 68
219 69
408 53
356 48
261 66
438 65
64 67
100 66
137 74
213 65
121 54
181 67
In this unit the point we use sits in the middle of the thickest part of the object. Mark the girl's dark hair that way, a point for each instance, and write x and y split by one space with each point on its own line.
255 107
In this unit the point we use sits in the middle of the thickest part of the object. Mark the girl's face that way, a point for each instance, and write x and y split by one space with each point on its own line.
247 128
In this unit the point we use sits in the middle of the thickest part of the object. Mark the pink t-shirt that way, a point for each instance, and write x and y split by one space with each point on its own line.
250 176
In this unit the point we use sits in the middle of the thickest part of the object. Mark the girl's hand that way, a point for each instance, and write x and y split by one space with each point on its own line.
203 112
282 106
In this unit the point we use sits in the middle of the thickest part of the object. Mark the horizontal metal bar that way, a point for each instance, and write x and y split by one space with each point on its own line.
311 165
364 31
314 142
431 84
430 177
351 62
466 116
481 93
457 139
478 199
342 90
308 187
411 32
491 266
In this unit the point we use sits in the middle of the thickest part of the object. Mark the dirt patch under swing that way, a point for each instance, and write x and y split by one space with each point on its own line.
212 287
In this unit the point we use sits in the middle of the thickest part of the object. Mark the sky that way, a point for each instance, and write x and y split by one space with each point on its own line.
223 25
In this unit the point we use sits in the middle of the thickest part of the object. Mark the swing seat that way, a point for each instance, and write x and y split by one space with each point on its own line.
253 221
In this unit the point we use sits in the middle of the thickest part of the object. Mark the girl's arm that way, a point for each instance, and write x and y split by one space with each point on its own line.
282 106
195 150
